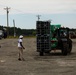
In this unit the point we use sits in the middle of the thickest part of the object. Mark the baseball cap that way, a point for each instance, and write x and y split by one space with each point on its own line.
20 36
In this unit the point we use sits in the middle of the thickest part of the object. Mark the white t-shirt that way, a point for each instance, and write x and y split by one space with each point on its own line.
19 40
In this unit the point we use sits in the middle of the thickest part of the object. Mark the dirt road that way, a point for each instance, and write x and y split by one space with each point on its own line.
50 64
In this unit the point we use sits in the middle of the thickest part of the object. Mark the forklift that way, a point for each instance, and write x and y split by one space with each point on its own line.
52 37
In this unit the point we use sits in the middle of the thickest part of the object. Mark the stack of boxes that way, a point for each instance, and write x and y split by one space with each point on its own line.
43 36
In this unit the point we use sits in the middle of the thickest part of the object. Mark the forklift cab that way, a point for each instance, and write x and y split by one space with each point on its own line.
63 33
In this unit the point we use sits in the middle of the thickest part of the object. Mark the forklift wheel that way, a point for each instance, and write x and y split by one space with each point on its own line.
41 53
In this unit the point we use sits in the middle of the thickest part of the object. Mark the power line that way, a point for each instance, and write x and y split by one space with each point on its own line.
2 5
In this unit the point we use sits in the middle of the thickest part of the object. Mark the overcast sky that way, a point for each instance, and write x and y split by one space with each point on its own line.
41 6
24 12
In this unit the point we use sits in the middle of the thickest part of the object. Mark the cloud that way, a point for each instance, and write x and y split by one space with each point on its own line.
40 6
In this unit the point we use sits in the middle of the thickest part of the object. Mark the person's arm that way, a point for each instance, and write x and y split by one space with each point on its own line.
22 45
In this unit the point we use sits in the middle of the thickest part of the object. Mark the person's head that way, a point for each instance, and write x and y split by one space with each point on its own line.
20 37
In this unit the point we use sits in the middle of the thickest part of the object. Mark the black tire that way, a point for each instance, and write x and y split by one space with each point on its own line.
41 53
65 49
70 46
47 52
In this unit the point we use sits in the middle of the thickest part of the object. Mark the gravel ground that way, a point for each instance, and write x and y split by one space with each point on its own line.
50 64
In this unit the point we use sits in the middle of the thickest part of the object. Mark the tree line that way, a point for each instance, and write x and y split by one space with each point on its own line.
19 31
26 32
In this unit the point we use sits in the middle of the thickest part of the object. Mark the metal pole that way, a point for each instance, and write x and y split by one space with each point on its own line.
14 28
7 11
38 17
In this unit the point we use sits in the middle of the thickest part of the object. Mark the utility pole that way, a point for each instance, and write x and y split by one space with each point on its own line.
38 16
14 28
7 11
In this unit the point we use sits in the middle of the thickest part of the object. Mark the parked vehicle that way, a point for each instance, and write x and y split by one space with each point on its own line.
72 34
1 34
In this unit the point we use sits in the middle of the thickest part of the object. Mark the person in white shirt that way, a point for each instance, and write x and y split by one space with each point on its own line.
20 47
